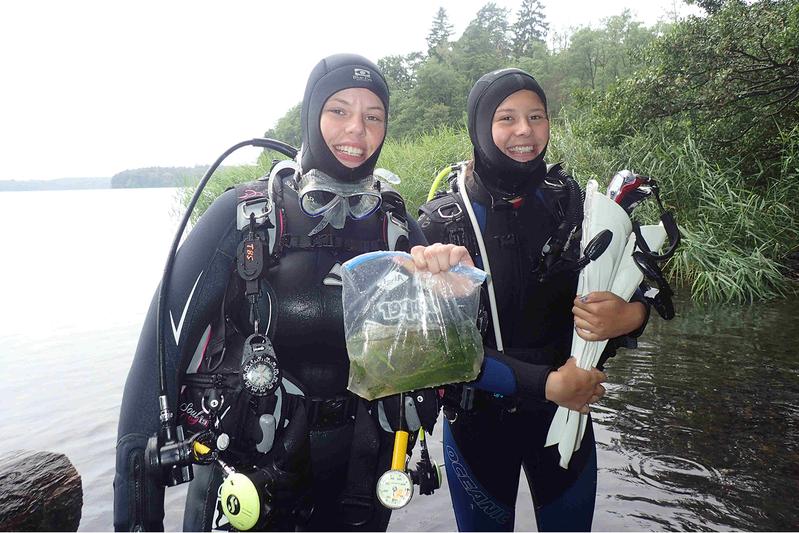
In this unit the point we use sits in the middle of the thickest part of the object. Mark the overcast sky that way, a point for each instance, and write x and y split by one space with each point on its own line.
88 89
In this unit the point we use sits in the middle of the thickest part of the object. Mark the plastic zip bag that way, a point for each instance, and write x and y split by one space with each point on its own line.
409 330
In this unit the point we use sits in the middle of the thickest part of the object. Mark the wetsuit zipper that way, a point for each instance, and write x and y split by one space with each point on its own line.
137 487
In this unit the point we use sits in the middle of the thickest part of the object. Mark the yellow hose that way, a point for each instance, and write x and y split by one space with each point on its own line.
437 182
400 450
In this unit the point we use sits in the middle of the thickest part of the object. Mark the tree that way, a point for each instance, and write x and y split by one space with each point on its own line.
438 38
492 22
439 98
484 45
530 26
731 77
287 128
598 58
710 6
586 55
400 71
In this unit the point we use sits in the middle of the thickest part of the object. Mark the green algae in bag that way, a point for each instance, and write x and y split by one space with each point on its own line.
409 330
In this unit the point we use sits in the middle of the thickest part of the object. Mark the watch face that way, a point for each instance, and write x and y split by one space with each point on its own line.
260 374
394 489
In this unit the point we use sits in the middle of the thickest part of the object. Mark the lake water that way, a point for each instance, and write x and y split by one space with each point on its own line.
699 429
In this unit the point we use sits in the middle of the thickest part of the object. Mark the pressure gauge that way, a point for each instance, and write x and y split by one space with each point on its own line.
394 489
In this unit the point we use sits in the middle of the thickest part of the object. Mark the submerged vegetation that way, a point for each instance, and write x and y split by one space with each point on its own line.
708 106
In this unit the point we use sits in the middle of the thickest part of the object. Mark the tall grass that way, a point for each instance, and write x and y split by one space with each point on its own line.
417 160
223 179
736 234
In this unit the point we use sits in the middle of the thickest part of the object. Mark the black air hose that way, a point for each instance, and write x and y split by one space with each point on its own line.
572 219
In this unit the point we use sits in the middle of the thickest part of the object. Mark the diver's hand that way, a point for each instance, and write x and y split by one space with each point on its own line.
575 388
439 257
602 315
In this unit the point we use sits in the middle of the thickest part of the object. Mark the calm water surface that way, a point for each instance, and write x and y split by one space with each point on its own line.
699 429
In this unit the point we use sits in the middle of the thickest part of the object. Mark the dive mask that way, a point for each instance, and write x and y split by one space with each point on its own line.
334 200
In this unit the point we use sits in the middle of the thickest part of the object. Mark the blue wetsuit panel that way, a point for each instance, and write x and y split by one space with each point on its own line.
496 377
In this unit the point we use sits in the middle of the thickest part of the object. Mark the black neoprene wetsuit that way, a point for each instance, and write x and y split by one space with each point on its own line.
300 307
506 427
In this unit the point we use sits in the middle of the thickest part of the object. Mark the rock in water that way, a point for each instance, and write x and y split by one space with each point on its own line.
39 491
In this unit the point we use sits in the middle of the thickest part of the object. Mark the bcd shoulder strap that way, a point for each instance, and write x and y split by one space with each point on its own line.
448 211
395 232
255 203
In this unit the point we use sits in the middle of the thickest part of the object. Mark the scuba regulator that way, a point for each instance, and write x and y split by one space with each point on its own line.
169 455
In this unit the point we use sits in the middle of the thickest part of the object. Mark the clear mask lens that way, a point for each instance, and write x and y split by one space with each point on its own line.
315 203
321 195
362 206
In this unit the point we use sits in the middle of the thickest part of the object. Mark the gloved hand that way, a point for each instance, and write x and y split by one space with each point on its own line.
421 410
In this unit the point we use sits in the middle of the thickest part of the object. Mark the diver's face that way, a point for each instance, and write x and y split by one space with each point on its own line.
520 127
353 125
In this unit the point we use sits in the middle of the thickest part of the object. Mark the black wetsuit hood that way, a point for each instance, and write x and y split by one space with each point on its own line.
330 75
499 173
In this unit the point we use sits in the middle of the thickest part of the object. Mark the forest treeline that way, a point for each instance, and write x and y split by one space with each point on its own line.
730 78
429 87
127 179
708 105
59 184
158 177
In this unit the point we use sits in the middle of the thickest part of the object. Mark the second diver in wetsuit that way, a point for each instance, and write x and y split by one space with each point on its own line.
499 423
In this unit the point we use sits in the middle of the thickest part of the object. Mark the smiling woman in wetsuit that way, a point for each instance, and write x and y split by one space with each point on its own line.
321 447
499 423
